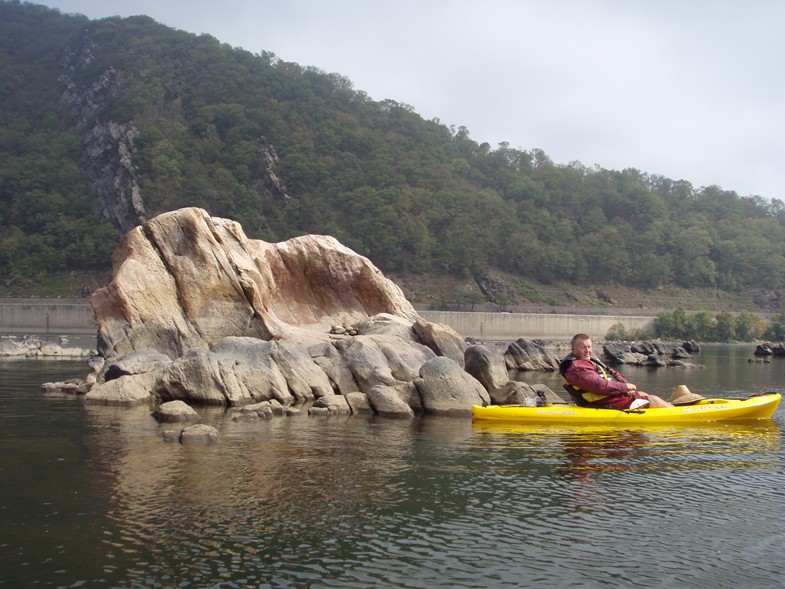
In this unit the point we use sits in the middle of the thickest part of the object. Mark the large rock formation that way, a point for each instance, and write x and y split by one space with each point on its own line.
185 280
198 313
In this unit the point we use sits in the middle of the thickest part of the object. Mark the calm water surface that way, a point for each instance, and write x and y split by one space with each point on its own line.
94 497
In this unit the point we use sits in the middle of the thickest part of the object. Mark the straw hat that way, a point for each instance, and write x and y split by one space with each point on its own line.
681 395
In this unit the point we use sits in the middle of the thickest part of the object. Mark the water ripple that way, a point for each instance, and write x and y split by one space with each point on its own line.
332 503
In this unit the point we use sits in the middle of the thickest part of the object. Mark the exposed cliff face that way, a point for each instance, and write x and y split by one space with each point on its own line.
109 146
186 280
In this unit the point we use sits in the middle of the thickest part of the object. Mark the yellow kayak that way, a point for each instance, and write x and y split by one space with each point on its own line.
756 407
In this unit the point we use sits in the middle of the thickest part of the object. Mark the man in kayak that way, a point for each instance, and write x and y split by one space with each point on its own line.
599 385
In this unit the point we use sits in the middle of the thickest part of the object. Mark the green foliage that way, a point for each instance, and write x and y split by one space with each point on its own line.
413 195
723 327
618 332
775 330
749 326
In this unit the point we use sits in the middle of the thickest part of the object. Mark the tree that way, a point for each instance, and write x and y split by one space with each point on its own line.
775 330
749 326
725 327
702 326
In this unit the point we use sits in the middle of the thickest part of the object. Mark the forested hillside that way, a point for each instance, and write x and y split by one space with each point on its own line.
105 123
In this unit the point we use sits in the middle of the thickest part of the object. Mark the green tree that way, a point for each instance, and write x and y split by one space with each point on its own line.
725 327
702 326
775 330
749 326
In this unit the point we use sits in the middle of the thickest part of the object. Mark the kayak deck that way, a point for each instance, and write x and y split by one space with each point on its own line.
756 407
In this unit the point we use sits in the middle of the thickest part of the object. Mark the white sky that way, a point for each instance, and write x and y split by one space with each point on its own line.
689 89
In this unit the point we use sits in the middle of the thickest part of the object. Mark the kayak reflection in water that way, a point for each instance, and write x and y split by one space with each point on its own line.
596 385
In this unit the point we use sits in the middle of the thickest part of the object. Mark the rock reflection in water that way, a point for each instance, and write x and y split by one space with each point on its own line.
283 489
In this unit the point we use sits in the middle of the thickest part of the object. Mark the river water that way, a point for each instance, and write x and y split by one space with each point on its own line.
94 496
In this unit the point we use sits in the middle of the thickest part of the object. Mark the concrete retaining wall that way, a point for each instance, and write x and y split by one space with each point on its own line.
511 326
75 317
46 316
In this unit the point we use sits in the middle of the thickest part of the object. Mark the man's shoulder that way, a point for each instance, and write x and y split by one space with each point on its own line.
582 362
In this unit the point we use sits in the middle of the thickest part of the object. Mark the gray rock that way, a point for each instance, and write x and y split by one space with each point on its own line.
446 389
200 376
527 355
393 400
403 360
386 324
327 357
304 378
487 366
199 434
249 372
442 339
358 402
512 393
136 362
335 405
125 390
366 361
175 411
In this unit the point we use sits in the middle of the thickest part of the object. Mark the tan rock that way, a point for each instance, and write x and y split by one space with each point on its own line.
186 280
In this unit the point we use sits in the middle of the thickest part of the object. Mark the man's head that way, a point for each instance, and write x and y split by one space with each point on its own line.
581 346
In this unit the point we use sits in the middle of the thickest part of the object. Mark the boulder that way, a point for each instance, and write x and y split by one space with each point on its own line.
367 361
446 389
136 362
332 404
691 346
303 376
392 400
527 355
124 390
513 392
174 411
442 339
199 435
763 350
487 366
358 403
185 280
614 353
327 357
201 377
209 316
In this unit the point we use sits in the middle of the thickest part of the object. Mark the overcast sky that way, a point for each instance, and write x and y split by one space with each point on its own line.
689 89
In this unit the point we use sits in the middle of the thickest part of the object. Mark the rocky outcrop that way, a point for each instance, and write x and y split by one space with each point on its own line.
769 349
109 155
446 389
109 145
198 313
528 355
185 280
33 347
652 354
